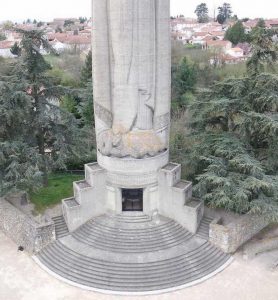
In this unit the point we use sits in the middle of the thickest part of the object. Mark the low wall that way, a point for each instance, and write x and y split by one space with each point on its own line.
231 236
24 230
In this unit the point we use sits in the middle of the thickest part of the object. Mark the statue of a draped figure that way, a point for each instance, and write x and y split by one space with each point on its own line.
132 100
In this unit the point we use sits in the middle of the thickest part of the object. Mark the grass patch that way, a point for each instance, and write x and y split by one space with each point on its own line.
59 187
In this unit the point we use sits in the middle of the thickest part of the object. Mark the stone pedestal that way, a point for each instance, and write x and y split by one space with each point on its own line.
132 90
163 191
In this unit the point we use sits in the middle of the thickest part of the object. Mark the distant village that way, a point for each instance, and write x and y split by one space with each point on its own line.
63 34
211 35
75 34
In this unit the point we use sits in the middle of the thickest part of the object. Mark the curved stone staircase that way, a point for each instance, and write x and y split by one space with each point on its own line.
120 234
133 254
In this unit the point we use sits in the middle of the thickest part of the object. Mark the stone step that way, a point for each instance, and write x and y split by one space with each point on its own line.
57 218
203 231
59 222
131 267
158 256
129 275
206 222
155 230
131 214
129 248
133 238
64 231
117 239
152 236
135 227
116 268
132 277
61 228
127 217
116 264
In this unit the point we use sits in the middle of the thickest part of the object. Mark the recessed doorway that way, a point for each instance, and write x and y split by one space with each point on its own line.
132 199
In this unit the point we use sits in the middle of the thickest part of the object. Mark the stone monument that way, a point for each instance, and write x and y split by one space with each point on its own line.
132 92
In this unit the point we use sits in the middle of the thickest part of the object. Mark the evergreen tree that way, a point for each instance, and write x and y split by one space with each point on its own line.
236 33
264 50
7 25
86 106
184 78
86 72
234 133
224 13
16 50
261 24
40 24
36 135
82 20
58 30
202 13
2 37
68 23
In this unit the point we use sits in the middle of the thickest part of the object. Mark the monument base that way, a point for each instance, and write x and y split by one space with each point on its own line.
156 190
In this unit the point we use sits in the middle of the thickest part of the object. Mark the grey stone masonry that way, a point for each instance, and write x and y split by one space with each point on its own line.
89 198
30 233
166 193
230 237
176 201
132 254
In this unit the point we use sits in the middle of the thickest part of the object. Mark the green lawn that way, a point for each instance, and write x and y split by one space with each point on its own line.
59 187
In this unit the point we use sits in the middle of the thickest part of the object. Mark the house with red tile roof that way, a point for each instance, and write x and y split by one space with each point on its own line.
64 41
273 23
235 52
5 47
222 45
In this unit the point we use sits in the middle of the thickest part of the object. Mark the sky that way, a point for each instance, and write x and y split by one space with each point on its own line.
46 10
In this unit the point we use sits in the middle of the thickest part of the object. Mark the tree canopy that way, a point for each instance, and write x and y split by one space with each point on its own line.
2 36
68 23
236 33
36 134
15 49
234 136
86 72
184 78
264 49
224 13
202 13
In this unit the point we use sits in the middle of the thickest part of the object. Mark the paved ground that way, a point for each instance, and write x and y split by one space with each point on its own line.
22 279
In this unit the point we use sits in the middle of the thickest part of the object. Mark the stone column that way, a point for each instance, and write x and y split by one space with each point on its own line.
131 61
101 66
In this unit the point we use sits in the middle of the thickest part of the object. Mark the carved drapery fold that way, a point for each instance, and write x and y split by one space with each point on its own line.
131 68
